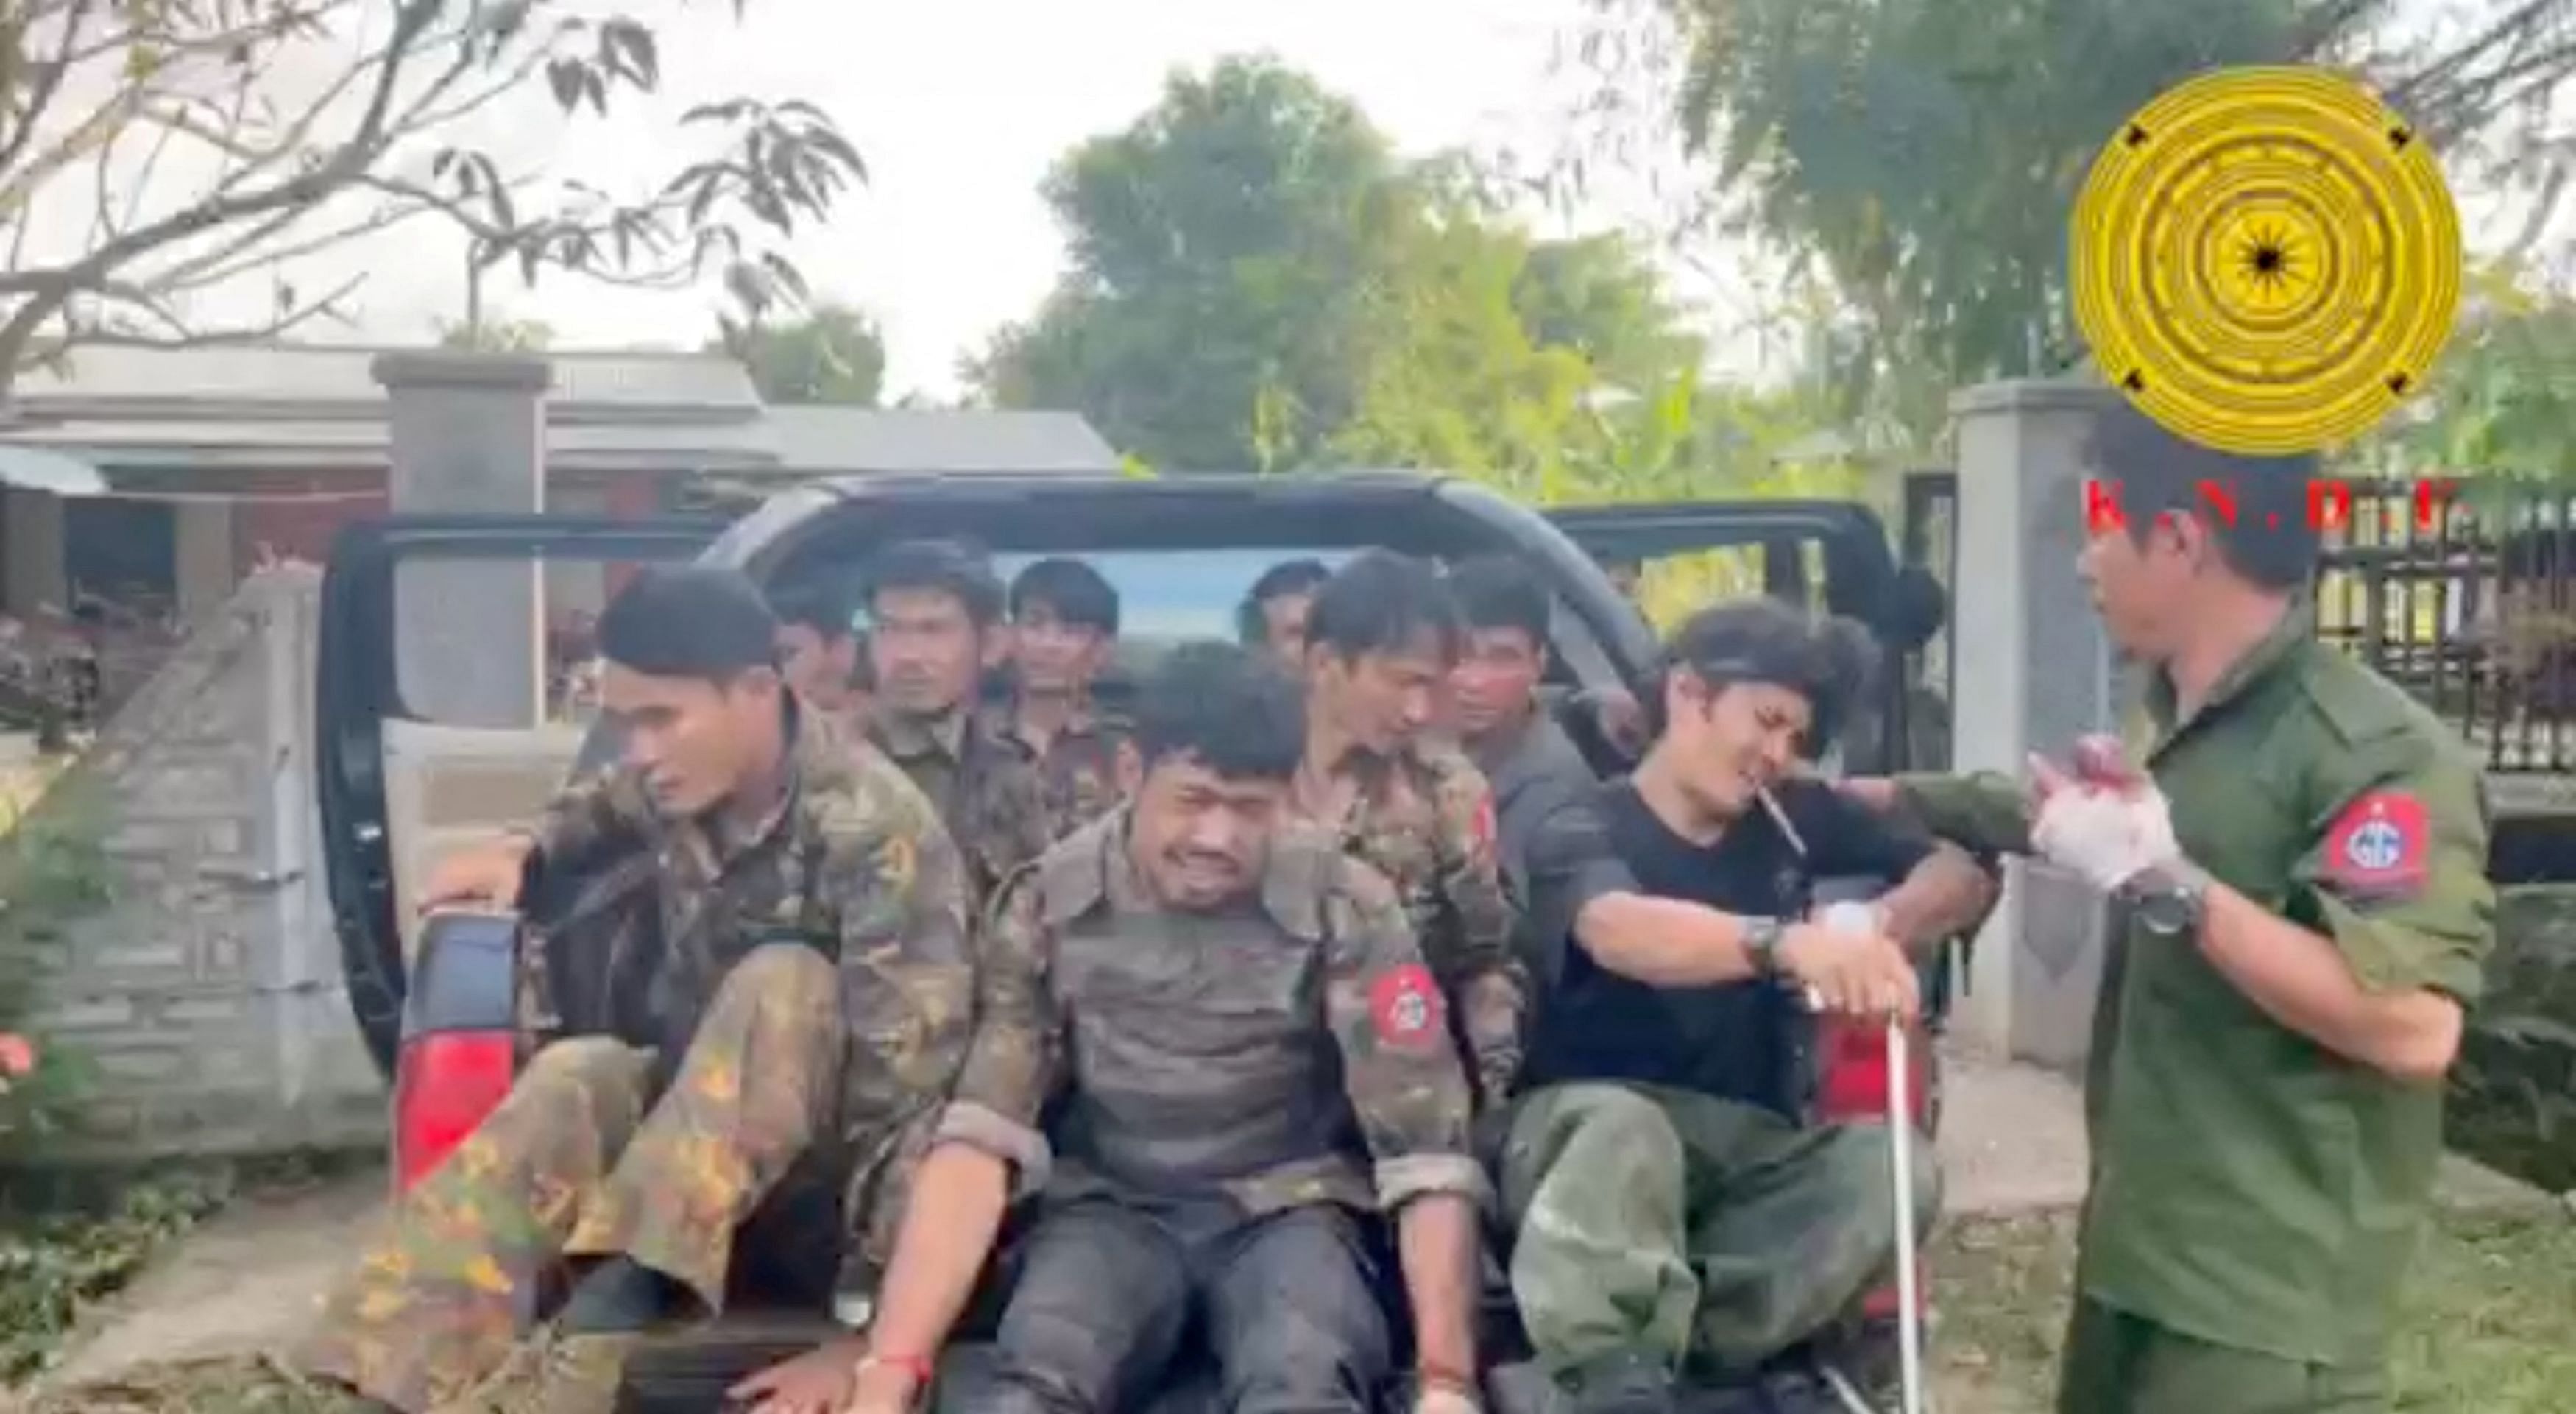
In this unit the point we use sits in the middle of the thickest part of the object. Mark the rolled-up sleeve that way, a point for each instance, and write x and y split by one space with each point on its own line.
2397 873
1012 1057
1399 1064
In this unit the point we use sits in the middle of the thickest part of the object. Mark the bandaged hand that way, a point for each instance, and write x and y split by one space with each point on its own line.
2104 832
1441 1399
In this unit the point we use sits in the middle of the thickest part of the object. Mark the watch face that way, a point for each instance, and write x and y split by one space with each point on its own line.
2167 911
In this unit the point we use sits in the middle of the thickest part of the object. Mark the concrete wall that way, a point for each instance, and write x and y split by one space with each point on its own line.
207 996
2033 674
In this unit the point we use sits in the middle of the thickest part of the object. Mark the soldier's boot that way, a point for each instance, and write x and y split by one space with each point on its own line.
620 1294
755 1086
555 1373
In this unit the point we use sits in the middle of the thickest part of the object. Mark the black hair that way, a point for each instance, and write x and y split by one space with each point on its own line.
1251 622
1496 591
947 567
825 606
1079 594
1235 710
1383 602
1761 640
689 621
2256 508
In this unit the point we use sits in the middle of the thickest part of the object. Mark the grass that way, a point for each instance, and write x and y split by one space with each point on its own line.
2486 1328
69 1238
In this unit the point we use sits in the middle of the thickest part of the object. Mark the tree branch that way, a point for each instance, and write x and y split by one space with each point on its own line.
48 290
49 81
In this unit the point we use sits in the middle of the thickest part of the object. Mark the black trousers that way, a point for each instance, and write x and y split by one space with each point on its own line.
1107 1290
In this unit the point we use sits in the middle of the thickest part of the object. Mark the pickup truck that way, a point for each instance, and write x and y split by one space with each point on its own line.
434 1004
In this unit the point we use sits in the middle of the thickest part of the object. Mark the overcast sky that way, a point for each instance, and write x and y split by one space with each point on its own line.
960 108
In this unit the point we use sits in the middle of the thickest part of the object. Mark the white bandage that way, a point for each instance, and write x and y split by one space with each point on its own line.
2108 837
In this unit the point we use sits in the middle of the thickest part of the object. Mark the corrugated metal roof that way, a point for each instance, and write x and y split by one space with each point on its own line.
320 408
309 375
834 441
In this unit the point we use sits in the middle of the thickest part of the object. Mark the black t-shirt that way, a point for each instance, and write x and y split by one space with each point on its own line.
1728 1040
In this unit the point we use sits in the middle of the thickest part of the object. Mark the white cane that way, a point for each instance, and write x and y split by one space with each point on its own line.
1900 1133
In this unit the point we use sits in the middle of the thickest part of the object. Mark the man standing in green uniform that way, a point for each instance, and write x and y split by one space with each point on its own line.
810 1003
2301 915
935 611
1381 637
1064 627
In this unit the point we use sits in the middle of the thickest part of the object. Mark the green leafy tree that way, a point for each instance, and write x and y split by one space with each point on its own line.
833 355
1918 159
1259 284
1221 247
153 151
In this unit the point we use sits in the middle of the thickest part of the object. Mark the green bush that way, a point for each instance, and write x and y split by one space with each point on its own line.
2513 1093
52 872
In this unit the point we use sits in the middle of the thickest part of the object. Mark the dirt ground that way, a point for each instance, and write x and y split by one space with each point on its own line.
2012 1151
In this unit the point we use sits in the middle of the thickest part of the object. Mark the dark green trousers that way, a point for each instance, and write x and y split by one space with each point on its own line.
2117 1363
1709 1234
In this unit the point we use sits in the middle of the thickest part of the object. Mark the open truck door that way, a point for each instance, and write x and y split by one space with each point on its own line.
1828 556
398 787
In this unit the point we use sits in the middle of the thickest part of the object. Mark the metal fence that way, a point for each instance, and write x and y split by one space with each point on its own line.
2468 602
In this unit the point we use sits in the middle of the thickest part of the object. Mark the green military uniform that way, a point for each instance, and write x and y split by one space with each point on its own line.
1084 770
1228 1091
816 981
2255 1198
985 786
1424 818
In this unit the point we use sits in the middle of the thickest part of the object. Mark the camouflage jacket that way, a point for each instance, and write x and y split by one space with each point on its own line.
1424 818
853 862
985 787
1084 771
1235 1053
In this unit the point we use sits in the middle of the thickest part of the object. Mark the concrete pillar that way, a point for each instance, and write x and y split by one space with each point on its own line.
2033 673
205 568
32 574
468 435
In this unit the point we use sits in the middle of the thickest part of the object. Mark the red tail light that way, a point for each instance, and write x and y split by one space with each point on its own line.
445 1083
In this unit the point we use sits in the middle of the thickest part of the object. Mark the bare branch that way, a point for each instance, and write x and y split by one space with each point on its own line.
48 80
292 313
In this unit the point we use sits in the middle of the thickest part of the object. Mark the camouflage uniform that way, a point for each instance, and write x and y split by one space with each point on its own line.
1230 1093
816 985
985 786
1424 818
1084 771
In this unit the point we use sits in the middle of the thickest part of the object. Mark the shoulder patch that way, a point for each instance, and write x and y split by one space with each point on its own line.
2380 845
1406 1009
1481 827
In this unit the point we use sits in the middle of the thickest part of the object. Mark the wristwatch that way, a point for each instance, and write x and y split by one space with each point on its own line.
2169 899
1762 943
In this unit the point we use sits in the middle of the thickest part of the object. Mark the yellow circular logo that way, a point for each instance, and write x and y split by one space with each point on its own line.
2266 260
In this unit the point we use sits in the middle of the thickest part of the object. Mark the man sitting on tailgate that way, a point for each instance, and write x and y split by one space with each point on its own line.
1671 1218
